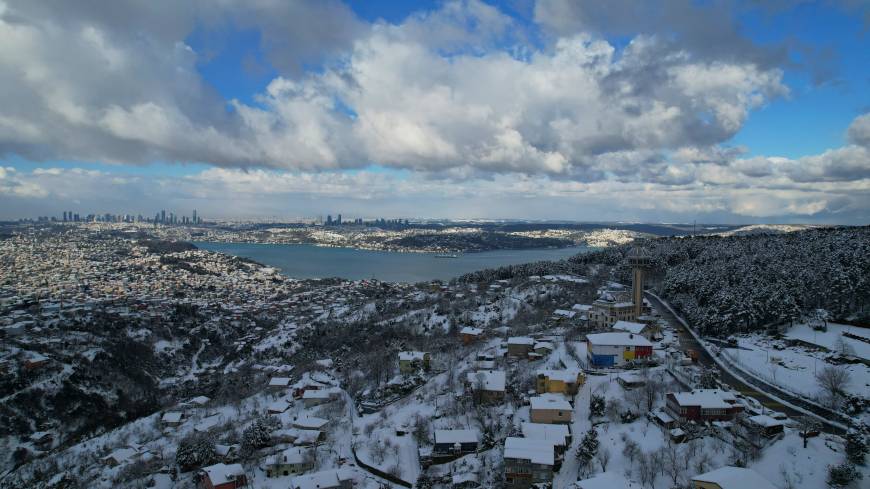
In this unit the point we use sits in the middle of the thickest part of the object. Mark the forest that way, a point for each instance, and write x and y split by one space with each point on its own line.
727 284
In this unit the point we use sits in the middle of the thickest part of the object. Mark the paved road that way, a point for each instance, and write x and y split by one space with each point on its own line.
688 342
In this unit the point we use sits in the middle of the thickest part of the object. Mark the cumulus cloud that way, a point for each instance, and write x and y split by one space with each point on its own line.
859 131
421 95
455 98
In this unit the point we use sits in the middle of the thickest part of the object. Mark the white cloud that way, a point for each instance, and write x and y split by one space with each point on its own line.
456 98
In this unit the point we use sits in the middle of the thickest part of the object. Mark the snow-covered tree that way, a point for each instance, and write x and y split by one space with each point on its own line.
588 449
856 445
195 451
258 434
597 406
843 475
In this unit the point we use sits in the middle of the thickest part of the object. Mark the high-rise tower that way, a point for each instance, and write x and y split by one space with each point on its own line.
640 262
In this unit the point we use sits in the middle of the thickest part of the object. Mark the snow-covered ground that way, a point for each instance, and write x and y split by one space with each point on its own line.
793 368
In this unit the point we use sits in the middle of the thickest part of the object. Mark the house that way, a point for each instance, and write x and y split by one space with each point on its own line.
766 425
630 380
306 384
470 335
121 456
310 423
702 405
279 383
543 348
731 478
550 409
227 453
199 401
559 381
488 386
456 442
223 476
528 462
292 461
311 398
277 407
33 361
645 330
519 346
607 480
171 419
563 314
327 479
614 349
412 361
557 434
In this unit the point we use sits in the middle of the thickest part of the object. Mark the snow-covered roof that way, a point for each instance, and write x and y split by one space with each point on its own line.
493 380
411 356
735 478
200 400
617 339
582 307
543 345
556 433
457 436
520 340
321 480
705 398
550 402
569 376
564 312
171 417
310 422
292 455
765 421
607 480
223 473
278 406
316 394
535 451
279 382
471 331
121 455
629 326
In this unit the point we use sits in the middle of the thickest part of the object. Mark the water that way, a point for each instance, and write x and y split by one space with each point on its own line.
308 261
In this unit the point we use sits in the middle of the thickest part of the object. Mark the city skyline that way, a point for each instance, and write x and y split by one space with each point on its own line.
727 112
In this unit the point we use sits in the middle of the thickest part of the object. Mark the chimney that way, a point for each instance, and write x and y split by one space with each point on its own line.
631 336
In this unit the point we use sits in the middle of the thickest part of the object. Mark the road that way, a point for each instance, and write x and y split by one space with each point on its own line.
688 342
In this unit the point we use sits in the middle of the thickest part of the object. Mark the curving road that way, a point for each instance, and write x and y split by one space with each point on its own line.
747 386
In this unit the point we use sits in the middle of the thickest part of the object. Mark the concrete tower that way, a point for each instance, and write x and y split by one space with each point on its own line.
640 262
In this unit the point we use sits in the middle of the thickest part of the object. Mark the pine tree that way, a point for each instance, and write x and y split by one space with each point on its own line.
596 406
258 434
196 450
588 448
842 475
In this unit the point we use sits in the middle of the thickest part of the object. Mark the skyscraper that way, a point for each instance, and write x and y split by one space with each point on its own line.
194 216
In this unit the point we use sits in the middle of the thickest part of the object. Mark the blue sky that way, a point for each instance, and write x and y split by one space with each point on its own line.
747 108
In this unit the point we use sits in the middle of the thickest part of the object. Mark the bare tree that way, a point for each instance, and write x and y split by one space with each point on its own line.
833 380
674 464
646 470
603 457
631 450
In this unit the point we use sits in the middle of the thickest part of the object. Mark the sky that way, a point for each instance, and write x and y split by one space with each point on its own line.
718 111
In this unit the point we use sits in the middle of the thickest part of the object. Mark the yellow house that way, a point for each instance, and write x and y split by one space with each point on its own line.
559 381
